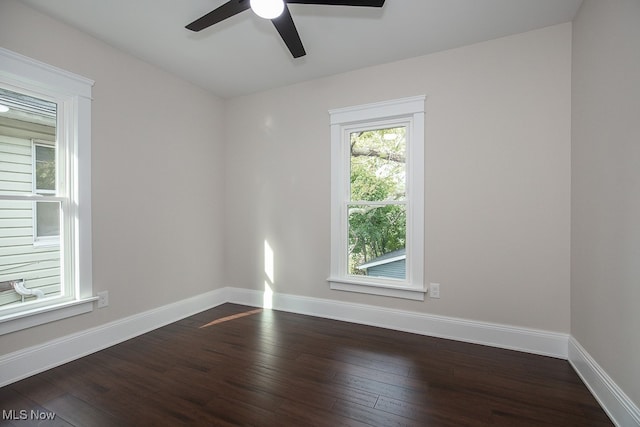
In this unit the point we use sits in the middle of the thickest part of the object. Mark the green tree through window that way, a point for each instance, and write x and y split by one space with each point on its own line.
377 211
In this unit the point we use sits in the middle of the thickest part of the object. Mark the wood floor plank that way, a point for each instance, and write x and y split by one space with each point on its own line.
432 412
79 412
17 409
302 416
372 416
237 366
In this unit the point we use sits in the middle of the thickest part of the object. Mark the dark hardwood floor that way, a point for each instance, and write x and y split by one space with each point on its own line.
236 365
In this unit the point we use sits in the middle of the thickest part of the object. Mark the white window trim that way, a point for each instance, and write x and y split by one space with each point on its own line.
410 110
25 74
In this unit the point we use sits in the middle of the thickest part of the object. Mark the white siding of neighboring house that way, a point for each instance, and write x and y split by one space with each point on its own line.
39 266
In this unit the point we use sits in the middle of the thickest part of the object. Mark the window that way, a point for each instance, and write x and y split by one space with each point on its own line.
46 216
377 195
45 203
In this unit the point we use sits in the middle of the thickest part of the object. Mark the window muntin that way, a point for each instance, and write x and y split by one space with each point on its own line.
377 193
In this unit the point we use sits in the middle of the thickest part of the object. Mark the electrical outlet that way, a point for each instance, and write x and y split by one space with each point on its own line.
103 299
434 290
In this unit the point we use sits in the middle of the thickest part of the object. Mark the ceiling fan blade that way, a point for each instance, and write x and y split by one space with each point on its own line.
369 3
287 29
225 11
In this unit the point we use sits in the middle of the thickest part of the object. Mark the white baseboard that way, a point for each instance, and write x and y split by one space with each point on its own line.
26 362
30 361
613 400
509 337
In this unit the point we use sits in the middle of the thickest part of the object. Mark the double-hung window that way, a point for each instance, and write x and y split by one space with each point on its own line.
45 193
377 195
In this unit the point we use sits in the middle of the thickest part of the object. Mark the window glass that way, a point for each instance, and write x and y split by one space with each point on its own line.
29 223
47 219
45 170
377 174
375 233
378 170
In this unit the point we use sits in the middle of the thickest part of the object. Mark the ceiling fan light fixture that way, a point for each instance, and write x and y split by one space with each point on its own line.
267 9
277 12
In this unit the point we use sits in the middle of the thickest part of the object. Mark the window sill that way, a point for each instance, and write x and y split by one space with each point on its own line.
41 315
375 288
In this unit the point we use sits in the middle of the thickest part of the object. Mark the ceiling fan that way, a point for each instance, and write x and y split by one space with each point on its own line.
278 12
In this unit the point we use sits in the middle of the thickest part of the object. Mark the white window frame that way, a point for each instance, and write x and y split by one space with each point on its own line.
408 112
72 94
40 240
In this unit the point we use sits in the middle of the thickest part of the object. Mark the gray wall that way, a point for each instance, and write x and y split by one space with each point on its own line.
156 175
605 205
497 170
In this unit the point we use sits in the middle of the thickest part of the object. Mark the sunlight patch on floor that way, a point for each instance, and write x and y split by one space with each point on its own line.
232 317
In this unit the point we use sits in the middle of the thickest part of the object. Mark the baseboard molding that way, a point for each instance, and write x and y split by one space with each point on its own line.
30 361
622 411
522 339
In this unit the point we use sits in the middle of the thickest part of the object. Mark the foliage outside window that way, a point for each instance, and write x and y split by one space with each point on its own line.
377 209
377 198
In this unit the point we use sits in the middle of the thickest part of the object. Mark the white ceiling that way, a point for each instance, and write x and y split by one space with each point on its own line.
245 54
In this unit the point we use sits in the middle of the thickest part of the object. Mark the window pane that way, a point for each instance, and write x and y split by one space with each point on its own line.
377 238
378 164
37 268
24 118
47 219
45 168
